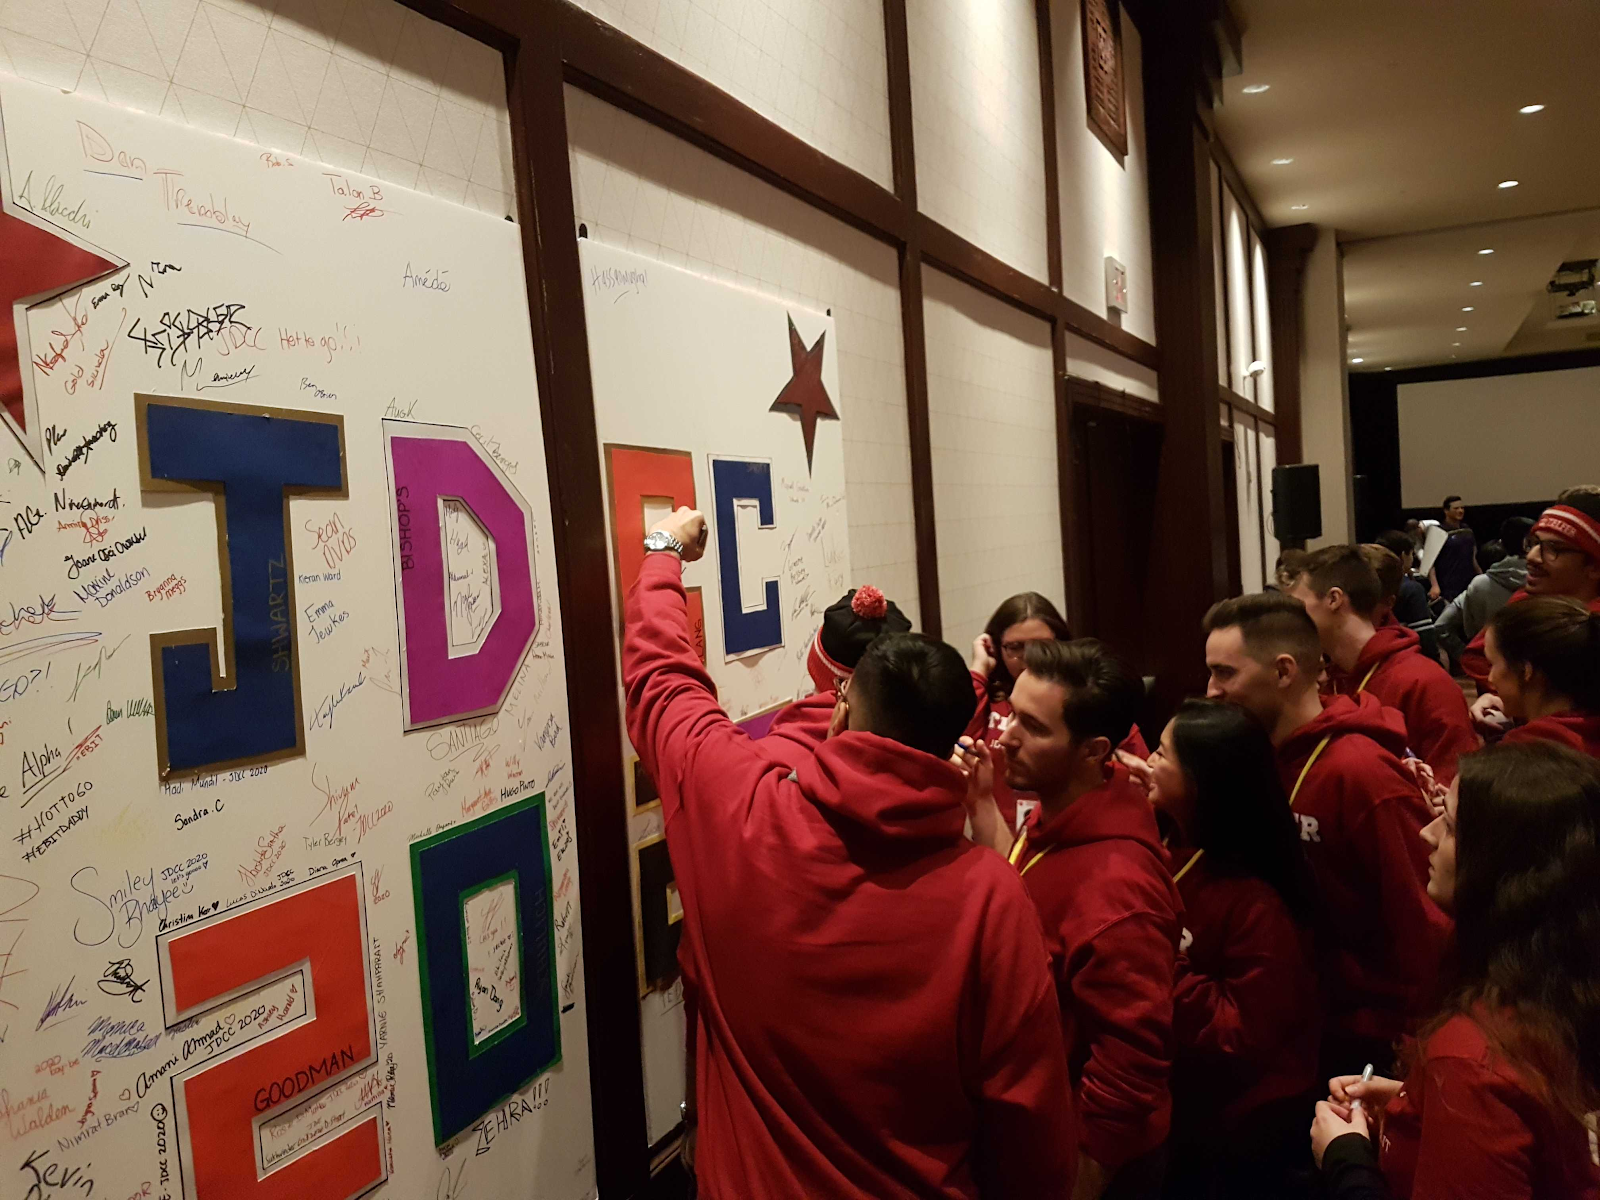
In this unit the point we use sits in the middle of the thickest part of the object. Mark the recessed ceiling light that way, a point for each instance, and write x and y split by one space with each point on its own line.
1255 89
1388 368
1507 183
1358 360
1461 328
1282 162
1486 251
1531 108
1298 207
1476 283
1468 308
1455 343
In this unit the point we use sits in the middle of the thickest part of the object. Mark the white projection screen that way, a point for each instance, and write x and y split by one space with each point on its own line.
1503 439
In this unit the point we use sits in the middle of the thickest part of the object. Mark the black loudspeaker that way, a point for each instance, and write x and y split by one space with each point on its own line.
1297 502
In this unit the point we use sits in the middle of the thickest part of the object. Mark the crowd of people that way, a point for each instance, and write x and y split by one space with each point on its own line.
953 929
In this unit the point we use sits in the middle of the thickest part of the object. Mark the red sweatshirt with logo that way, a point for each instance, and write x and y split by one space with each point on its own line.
1438 723
1475 662
1467 1125
875 1015
1361 817
989 721
1111 920
1245 1005
1580 731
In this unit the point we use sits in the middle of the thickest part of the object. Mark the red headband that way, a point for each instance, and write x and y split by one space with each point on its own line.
1570 525
826 672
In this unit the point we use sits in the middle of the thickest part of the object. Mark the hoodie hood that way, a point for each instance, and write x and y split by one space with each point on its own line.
1117 809
1580 731
885 788
1364 714
1510 572
1388 641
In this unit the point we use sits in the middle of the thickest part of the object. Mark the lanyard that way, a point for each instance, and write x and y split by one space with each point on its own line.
1323 744
1306 770
1187 866
1019 848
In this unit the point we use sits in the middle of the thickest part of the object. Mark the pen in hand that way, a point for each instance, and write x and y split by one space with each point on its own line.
1366 1077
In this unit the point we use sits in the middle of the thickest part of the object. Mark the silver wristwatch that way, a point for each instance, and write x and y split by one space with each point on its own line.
662 540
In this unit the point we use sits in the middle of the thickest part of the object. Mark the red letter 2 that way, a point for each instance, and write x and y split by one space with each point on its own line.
319 931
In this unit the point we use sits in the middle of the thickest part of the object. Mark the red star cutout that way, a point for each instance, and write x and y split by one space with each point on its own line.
37 264
804 394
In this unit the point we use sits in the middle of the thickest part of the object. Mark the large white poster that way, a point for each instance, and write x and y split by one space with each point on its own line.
256 938
727 400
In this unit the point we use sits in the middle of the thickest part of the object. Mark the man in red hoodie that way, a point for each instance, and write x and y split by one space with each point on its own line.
1092 859
1361 817
875 1014
1342 593
1563 553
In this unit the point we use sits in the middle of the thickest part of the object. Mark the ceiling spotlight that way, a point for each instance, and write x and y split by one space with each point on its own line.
1476 283
1255 89
1455 343
1388 368
1461 328
1486 251
1507 183
1298 207
1358 360
1282 162
1531 108
1468 308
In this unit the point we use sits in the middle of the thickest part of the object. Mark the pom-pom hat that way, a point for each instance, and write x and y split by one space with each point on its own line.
859 618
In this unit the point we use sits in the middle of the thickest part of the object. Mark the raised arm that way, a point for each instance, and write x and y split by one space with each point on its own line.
674 720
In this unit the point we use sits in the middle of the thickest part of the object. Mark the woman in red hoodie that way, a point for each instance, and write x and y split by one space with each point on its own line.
997 660
1244 1016
1503 1082
1544 661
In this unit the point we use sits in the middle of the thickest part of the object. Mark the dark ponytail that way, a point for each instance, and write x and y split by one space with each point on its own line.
1560 639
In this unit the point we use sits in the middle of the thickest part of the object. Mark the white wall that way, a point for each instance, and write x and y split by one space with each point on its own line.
992 422
816 67
1105 205
978 125
1089 360
365 85
1503 439
1324 401
644 190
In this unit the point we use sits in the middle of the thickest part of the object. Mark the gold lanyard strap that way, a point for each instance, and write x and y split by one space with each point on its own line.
1188 866
1373 671
1018 848
1306 770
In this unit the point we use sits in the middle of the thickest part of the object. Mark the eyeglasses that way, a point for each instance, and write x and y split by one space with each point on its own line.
1015 649
1549 551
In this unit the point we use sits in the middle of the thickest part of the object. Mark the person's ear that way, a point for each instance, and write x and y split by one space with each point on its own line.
1286 669
841 717
1098 748
1335 599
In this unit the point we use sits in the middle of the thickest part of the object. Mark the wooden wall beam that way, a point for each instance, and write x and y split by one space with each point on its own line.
1188 567
913 322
